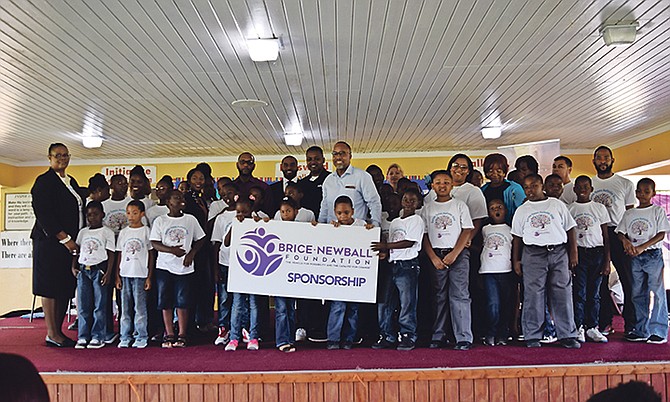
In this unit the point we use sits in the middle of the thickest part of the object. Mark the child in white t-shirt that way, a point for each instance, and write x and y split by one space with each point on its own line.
403 246
641 231
496 273
593 248
295 192
177 237
115 206
93 268
134 273
163 188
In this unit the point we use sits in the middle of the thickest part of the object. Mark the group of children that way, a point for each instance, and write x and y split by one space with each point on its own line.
560 251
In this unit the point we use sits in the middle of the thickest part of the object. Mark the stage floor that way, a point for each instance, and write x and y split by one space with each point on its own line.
201 356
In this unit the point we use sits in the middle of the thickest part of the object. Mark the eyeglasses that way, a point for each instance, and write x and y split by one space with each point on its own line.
455 165
245 162
61 156
341 153
496 171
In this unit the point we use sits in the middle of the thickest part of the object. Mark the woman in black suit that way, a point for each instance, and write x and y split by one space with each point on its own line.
57 203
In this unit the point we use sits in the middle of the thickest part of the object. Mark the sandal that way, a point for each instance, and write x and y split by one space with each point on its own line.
168 341
180 342
287 348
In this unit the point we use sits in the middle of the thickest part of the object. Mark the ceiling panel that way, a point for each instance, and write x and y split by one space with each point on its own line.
158 77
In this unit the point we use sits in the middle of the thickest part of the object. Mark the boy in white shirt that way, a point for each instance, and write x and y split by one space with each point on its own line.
545 247
403 246
177 237
115 206
496 273
93 269
594 259
134 273
641 231
447 232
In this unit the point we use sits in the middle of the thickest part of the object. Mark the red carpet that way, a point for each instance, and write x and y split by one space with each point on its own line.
27 339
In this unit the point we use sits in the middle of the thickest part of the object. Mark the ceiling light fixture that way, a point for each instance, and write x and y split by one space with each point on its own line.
293 139
248 103
263 49
91 142
491 132
91 131
619 35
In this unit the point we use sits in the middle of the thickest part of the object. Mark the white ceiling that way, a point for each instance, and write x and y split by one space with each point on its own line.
386 75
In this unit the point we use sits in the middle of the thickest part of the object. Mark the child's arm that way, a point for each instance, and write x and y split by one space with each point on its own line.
642 247
160 247
216 251
152 265
517 247
75 265
428 248
197 245
573 258
119 283
384 246
627 245
463 240
606 244
110 268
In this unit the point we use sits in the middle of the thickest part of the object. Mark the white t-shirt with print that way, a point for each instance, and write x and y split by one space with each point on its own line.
473 197
410 228
171 231
445 221
156 211
115 214
222 225
496 257
93 245
542 223
615 193
134 245
641 224
304 215
588 217
568 196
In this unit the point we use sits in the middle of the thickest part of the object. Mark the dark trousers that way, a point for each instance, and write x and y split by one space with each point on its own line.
622 264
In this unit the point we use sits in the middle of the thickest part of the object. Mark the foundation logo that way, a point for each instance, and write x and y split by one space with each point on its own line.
259 253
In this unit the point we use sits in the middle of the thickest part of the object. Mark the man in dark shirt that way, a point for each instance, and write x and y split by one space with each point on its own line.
246 163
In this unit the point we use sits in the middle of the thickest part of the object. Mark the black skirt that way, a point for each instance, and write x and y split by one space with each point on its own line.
52 270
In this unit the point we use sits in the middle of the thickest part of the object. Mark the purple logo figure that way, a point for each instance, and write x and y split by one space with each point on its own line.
258 253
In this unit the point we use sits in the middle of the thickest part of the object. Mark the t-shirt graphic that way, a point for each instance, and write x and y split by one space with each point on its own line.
604 197
175 236
540 222
442 221
493 242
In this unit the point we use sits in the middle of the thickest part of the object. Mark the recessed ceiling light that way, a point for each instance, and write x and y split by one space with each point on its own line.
263 49
248 103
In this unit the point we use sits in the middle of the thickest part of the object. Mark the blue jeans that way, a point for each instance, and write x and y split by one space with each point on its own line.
342 321
586 286
225 298
647 271
498 288
240 303
387 301
406 280
134 318
92 302
284 321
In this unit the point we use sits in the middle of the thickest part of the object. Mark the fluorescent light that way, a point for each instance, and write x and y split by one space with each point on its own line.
619 35
293 139
491 133
91 142
263 49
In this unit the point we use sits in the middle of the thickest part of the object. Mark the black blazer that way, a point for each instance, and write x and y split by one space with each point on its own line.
55 207
277 192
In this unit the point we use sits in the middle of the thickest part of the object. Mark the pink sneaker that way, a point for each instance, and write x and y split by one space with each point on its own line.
245 335
231 346
253 344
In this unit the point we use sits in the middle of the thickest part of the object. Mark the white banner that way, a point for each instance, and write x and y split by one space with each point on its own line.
295 259
16 250
19 213
109 171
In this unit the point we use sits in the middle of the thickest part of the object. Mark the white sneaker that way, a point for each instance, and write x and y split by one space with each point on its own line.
300 334
231 346
140 344
245 335
125 343
581 338
95 344
548 339
595 335
223 337
81 344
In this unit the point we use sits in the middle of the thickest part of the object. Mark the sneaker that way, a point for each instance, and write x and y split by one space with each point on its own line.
112 339
501 342
489 341
383 343
520 338
595 335
223 337
232 346
657 340
463 345
437 344
318 338
609 330
95 344
81 344
333 345
633 337
139 344
548 339
570 343
253 344
533 343
245 335
406 343
300 334
581 335
346 345
123 344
